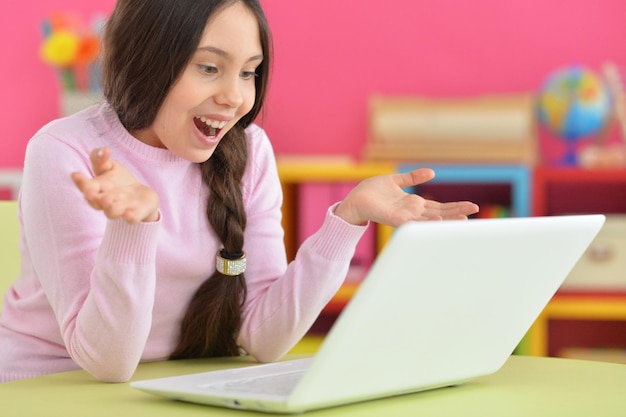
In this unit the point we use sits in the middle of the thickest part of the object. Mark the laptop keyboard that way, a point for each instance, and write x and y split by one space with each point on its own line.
280 384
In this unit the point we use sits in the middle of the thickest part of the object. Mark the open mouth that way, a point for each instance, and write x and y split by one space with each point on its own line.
210 128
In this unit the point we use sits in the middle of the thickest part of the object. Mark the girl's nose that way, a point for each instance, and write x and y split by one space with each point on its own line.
230 92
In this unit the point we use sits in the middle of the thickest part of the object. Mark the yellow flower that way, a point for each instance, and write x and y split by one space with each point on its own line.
60 48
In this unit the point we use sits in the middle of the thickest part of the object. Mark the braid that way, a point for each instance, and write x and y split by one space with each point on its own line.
213 319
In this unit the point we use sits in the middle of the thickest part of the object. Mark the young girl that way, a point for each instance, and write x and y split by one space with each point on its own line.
140 215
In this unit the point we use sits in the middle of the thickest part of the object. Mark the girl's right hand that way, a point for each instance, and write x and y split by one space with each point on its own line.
115 191
382 199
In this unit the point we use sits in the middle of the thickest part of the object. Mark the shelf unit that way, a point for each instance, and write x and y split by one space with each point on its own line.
592 320
536 192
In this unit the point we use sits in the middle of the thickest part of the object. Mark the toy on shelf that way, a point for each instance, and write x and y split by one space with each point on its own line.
573 104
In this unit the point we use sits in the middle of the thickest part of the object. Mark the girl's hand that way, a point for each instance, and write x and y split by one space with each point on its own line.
116 191
381 199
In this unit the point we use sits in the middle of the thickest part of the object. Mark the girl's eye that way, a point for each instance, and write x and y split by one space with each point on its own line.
249 75
207 69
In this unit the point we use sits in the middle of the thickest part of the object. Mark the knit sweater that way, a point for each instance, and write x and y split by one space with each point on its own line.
104 295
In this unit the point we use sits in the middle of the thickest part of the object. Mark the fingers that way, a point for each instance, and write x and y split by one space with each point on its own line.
416 208
434 210
415 177
121 207
101 161
89 188
122 204
460 209
79 180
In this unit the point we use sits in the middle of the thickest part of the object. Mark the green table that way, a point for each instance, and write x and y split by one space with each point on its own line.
525 387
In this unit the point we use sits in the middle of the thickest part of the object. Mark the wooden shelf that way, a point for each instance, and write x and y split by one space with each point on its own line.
299 169
599 307
558 191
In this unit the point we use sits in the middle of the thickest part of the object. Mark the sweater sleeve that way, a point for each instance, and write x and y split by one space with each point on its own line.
98 275
284 301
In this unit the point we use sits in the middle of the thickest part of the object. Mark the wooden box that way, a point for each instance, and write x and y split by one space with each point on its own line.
484 129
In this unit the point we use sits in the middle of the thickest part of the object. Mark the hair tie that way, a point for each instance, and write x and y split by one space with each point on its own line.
230 263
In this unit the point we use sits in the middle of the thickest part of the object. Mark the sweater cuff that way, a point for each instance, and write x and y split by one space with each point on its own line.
337 239
130 243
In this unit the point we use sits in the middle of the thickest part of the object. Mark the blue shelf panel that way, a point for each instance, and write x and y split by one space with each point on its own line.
518 176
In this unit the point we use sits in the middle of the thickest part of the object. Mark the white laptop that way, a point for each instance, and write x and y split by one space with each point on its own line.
445 302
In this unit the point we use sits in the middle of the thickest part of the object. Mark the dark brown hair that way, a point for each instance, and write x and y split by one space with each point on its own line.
147 45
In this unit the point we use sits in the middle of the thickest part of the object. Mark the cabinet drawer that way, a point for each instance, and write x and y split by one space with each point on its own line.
603 265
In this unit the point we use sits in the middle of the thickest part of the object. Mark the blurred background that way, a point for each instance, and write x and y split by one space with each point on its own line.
331 56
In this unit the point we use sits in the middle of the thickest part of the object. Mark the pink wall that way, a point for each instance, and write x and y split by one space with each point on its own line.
332 54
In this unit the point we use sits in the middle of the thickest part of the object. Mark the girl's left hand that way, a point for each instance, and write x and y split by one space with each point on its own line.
381 199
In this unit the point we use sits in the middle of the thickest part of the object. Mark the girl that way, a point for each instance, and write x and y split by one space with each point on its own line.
182 196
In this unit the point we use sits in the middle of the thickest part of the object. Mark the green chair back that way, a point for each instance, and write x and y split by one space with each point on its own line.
9 246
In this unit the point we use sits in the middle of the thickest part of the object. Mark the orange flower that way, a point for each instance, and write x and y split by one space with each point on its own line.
88 49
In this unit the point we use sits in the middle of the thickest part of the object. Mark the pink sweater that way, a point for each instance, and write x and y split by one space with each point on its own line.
105 295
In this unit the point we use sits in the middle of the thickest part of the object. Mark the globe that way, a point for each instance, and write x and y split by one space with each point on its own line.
573 103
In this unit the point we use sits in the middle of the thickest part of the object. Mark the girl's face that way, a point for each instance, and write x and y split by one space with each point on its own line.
216 89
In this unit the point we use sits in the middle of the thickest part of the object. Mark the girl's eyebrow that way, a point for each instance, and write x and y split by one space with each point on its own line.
225 54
